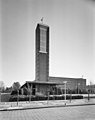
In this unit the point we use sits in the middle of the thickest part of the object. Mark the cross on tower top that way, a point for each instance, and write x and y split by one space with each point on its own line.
42 20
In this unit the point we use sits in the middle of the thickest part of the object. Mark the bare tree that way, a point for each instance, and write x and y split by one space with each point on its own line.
2 86
16 87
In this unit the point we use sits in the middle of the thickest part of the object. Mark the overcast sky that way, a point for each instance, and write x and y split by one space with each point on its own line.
72 38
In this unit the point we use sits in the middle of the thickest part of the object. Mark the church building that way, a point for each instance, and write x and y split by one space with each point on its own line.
43 83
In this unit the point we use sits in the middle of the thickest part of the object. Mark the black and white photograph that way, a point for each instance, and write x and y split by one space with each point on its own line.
47 59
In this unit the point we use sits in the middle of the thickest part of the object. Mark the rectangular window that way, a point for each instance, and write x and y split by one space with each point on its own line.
43 40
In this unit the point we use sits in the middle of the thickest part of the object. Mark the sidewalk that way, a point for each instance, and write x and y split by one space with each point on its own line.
9 106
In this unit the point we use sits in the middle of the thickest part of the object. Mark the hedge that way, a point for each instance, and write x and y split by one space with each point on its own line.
39 98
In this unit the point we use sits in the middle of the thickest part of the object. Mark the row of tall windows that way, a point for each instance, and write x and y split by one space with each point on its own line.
43 37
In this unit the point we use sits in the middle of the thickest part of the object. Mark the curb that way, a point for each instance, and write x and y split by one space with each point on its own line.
42 107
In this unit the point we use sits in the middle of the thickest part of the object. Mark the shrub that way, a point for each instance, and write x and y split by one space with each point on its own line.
39 98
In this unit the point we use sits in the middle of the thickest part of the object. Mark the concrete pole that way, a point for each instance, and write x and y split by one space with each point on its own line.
78 87
17 96
0 96
65 89
70 95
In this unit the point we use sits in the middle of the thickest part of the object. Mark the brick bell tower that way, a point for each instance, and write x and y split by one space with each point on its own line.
42 53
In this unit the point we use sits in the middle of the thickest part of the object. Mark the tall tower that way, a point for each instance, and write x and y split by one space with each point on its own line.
42 52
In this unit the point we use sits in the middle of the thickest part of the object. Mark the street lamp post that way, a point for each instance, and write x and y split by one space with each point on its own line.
0 96
17 96
48 93
65 89
78 87
88 95
70 95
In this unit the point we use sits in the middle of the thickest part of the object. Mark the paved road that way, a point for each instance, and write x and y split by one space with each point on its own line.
59 113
